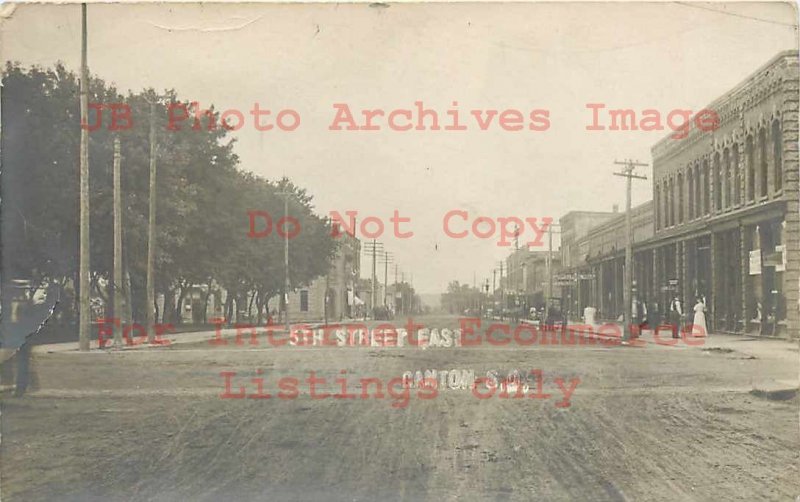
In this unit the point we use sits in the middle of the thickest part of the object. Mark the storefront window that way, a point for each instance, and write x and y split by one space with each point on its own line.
766 301
776 263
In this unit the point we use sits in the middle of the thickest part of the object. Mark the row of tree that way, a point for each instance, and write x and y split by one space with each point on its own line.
463 298
203 199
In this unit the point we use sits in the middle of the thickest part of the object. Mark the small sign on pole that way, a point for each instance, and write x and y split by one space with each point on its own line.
755 262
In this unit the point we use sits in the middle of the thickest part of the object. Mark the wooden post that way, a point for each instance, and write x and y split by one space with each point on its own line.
118 289
151 231
85 313
630 165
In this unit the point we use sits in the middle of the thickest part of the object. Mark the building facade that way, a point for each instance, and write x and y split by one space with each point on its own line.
574 226
726 205
527 278
332 296
596 255
724 222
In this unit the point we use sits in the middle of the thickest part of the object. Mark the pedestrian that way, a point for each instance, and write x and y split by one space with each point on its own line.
675 316
759 318
636 317
699 324
653 316
589 314
641 313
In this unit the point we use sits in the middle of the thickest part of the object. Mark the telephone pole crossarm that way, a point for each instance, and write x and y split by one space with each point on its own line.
629 175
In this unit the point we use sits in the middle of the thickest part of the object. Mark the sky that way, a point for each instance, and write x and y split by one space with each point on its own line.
556 57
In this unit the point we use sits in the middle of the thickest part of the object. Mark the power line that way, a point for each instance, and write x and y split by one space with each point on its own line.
742 16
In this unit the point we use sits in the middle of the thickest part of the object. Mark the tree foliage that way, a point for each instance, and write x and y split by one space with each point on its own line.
203 195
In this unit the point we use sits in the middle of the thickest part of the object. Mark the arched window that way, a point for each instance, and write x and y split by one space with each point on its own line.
736 188
751 168
680 197
690 192
671 202
657 205
777 146
698 192
762 162
726 178
717 184
706 188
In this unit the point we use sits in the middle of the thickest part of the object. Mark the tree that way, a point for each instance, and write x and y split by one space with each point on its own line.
203 196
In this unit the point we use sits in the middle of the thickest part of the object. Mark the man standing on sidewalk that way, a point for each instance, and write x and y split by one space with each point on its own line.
638 317
675 316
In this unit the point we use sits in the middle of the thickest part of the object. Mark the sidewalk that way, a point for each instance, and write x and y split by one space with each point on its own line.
748 346
762 348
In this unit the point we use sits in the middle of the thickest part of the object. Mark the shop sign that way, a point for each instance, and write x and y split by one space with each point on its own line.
755 262
672 285
776 259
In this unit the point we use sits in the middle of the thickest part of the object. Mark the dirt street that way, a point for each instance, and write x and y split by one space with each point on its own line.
641 423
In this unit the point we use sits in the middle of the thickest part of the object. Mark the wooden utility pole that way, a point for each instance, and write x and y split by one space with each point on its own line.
373 248
84 309
403 280
550 267
627 301
549 272
396 291
118 289
502 292
387 258
325 298
287 285
151 232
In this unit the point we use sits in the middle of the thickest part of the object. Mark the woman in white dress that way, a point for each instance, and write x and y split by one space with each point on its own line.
699 325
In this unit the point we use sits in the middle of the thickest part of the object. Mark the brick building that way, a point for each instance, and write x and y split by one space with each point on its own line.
724 222
526 281
596 257
726 207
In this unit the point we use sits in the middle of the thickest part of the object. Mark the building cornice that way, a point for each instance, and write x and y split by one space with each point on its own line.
730 107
